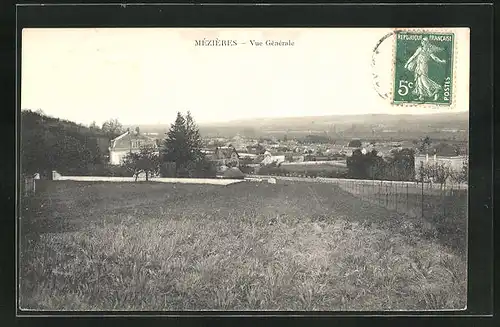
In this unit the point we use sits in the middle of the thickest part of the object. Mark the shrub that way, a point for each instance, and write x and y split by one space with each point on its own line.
201 169
355 144
246 169
233 173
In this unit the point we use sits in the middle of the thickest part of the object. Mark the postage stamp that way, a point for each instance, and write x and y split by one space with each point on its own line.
423 71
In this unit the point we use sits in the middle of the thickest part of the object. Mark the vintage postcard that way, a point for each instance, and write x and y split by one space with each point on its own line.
235 169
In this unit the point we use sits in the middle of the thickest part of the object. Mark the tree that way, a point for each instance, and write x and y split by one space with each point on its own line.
48 143
376 165
421 173
401 166
70 154
441 173
425 145
462 175
354 144
93 126
194 140
145 161
438 172
176 144
357 165
112 127
183 144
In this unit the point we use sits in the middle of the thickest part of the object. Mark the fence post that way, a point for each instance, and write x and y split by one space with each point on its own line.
380 193
422 200
396 196
386 196
443 201
407 199
373 187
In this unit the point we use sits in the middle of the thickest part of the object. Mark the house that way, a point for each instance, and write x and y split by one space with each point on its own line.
128 142
269 159
225 156
255 148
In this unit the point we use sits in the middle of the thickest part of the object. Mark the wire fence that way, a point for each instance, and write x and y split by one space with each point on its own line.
423 200
443 204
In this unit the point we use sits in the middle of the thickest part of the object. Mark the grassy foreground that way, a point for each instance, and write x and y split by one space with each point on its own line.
247 246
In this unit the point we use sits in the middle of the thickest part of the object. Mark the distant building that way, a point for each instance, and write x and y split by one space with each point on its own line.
226 155
126 143
246 155
269 159
454 162
255 148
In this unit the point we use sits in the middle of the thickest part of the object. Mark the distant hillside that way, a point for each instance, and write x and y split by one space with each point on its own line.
442 125
347 119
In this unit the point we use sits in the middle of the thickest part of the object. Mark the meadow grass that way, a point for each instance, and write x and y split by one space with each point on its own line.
247 246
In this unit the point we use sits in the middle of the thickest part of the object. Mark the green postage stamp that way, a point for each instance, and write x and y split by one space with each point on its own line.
423 72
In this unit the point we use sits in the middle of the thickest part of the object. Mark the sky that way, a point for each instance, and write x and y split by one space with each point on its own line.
147 75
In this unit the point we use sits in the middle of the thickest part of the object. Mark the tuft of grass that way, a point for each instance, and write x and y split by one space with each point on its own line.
243 247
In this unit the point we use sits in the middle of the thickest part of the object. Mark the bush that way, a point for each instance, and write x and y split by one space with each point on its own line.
401 166
201 169
233 173
247 169
168 169
355 144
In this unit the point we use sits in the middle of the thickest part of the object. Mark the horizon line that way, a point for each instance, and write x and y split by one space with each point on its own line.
308 116
258 118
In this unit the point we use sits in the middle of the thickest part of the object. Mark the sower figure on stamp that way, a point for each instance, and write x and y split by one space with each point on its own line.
418 63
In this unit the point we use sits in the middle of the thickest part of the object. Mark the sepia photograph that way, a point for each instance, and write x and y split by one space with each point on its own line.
243 169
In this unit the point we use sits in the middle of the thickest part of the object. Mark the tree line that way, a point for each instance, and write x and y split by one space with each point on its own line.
401 166
49 143
370 165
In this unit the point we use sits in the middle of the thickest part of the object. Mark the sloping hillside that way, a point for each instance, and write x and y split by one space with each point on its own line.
49 143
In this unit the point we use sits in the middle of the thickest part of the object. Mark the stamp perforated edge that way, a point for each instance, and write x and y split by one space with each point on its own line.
454 57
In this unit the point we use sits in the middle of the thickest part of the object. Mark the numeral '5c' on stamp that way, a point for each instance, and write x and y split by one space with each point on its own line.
423 71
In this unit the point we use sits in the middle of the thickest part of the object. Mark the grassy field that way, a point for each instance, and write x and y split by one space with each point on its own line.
444 210
247 246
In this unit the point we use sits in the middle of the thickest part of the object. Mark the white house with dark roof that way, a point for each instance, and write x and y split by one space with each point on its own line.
126 143
269 159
